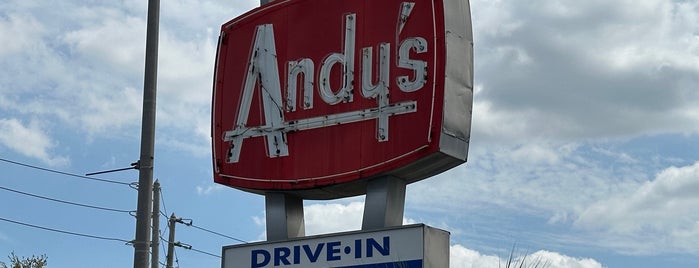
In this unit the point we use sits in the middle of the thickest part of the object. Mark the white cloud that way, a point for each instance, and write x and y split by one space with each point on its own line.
337 217
209 189
591 69
92 58
462 257
104 115
115 44
333 217
556 260
534 154
554 181
20 33
659 216
30 140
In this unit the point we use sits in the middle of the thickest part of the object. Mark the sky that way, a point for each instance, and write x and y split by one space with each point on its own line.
584 147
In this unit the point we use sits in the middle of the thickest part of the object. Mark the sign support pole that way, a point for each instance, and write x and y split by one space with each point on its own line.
284 214
384 203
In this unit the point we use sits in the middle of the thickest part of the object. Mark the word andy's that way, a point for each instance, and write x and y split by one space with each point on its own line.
321 252
262 69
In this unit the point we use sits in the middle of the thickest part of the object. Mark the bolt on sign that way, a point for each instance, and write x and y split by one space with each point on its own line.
316 97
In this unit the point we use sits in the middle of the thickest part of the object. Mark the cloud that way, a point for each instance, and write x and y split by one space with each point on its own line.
30 140
333 217
92 57
462 257
15 27
116 43
592 69
338 217
557 260
659 216
209 189
570 195
550 180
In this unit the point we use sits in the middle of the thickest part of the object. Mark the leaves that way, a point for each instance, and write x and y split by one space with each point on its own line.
24 262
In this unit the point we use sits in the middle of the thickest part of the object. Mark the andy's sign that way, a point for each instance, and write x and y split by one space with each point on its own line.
317 96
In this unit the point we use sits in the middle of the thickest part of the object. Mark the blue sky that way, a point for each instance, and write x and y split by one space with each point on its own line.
584 148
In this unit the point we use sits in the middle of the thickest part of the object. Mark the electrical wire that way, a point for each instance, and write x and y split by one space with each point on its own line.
188 247
164 213
162 245
64 173
204 252
63 201
216 233
190 222
162 201
65 232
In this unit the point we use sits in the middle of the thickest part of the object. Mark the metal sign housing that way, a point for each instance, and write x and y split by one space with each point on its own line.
316 103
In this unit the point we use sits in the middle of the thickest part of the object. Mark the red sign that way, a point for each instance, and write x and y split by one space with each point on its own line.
317 96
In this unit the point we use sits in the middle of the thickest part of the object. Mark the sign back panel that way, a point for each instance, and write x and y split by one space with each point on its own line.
316 97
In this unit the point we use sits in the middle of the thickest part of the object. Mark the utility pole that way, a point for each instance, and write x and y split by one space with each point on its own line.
171 241
145 164
155 236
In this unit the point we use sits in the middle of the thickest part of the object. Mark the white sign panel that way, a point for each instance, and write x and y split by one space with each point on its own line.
405 247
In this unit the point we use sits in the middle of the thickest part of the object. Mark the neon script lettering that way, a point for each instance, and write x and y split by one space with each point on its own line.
263 69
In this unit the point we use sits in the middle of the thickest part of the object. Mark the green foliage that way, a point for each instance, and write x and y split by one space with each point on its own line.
24 262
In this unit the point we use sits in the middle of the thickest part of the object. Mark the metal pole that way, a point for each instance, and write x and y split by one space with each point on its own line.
384 204
171 241
155 235
284 214
145 164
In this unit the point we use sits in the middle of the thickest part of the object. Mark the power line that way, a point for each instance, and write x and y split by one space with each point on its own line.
204 252
65 232
162 245
64 173
64 202
162 200
223 235
165 214
189 222
189 247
